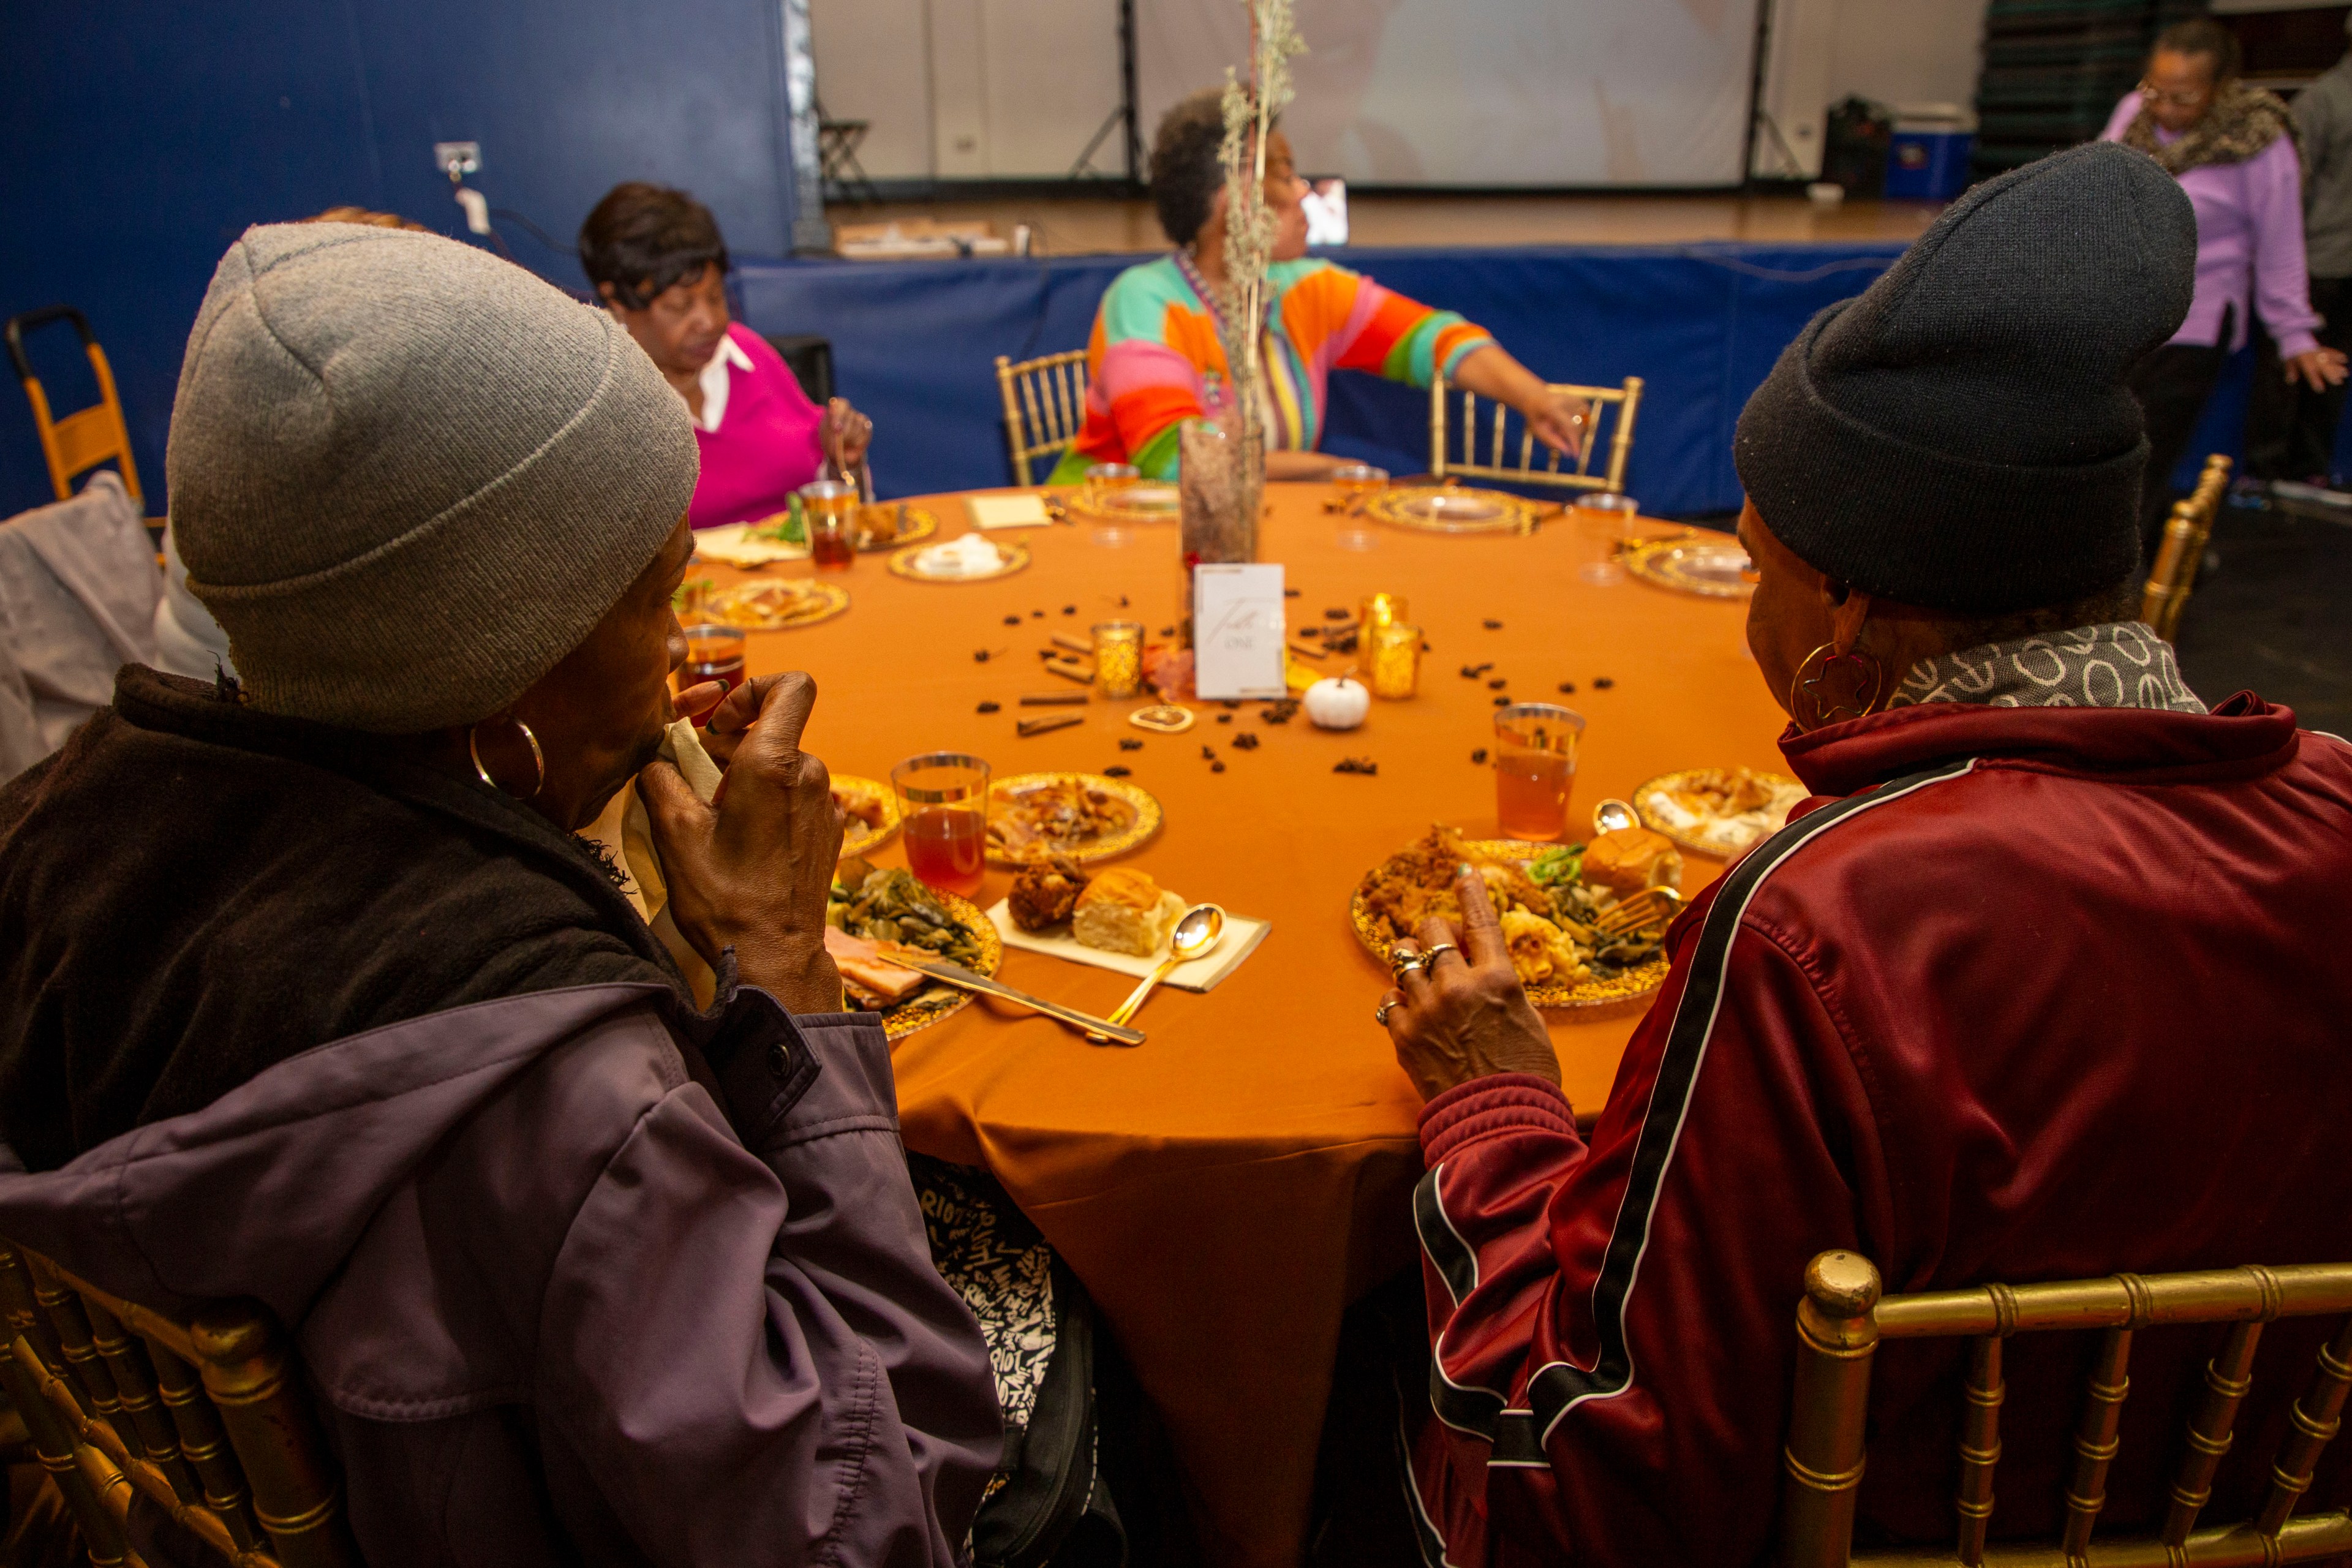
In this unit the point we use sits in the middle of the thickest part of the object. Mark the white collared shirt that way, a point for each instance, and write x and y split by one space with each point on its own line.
715 382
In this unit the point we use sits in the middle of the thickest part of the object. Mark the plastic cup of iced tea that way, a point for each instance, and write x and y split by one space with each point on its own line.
943 819
712 653
1535 769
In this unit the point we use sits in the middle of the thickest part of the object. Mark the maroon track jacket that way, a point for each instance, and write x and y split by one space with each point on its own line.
2031 993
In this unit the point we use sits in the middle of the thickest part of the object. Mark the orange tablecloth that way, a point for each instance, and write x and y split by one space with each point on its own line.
1225 1189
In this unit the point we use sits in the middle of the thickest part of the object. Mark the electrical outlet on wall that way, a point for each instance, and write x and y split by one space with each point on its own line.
457 159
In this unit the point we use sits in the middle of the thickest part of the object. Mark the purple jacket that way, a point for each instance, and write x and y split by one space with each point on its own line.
555 1308
2248 235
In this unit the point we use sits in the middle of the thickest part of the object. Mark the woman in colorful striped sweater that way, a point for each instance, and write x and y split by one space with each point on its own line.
1153 360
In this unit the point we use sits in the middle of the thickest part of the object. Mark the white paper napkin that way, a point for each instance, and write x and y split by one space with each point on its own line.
1007 512
734 545
1202 974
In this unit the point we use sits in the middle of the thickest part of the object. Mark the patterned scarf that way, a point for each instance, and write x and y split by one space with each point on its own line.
2119 664
2243 121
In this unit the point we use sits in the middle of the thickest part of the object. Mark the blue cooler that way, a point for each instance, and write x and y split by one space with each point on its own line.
1927 164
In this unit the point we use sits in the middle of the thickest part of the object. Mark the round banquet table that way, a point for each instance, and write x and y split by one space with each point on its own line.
1227 1188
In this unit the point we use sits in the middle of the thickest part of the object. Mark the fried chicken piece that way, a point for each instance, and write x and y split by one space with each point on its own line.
1045 892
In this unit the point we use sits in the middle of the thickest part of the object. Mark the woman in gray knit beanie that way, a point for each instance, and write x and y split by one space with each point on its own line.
326 931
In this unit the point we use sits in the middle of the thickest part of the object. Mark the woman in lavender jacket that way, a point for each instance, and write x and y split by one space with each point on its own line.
311 991
2232 148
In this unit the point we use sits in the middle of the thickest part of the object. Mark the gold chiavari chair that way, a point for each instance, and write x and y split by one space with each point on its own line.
1044 406
205 1418
2183 550
1501 463
1842 1320
83 439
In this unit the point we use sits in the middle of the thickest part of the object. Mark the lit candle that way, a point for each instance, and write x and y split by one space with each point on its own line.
1393 650
1378 610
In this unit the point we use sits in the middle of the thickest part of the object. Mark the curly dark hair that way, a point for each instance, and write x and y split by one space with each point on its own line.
2204 35
644 238
1186 171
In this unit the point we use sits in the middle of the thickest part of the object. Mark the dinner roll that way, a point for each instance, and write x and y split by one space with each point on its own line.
1632 858
1124 910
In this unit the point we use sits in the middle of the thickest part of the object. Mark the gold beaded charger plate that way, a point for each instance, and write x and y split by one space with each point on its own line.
1432 508
888 525
1010 557
936 1001
1136 503
1685 837
1715 569
858 835
776 605
1628 987
1034 795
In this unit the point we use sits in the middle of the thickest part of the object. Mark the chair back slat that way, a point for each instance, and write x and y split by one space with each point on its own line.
2228 1377
227 1443
2095 1440
1044 406
2313 1423
1486 450
1979 1444
1843 1318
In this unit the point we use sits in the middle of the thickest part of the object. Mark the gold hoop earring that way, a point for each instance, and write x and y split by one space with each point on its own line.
1805 690
538 761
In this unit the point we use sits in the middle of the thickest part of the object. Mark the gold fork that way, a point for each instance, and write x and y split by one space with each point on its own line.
1651 907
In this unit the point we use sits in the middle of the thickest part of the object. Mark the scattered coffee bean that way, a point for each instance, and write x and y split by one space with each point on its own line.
1224 718
1116 771
1129 743
1499 682
1122 601
1502 702
1279 711
1602 683
1291 593
1216 767
990 707
1246 742
1168 631
1569 687
1479 756
1355 766
1069 610
1209 753
1013 620
979 656
1037 615
1336 615
1493 626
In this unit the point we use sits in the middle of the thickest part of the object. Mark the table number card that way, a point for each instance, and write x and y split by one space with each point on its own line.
1238 631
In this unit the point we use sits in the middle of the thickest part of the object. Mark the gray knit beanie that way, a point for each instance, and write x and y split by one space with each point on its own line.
407 478
1963 436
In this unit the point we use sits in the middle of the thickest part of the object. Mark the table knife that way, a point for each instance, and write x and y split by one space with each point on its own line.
965 979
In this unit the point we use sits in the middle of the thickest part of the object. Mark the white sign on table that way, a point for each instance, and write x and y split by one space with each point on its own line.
1238 631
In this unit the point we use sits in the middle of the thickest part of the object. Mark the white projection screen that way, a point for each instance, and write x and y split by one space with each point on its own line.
1486 93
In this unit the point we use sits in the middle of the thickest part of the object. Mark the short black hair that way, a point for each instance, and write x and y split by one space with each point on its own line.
2204 35
644 238
1187 165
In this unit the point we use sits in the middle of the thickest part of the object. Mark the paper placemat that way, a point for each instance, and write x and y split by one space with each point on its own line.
1007 512
1203 973
733 544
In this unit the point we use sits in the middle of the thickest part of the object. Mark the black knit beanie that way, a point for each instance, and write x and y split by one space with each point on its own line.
1962 436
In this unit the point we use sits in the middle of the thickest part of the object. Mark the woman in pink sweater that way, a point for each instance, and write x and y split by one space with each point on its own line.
657 259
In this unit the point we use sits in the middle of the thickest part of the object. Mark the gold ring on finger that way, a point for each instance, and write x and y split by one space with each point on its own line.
1381 1013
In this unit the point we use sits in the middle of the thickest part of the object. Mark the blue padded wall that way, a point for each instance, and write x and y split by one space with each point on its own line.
144 136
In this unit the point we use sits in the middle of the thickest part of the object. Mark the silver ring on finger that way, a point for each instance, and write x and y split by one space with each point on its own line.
1381 1013
1429 955
1412 963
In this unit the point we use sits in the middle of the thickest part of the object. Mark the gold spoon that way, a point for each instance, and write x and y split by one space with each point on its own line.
1197 931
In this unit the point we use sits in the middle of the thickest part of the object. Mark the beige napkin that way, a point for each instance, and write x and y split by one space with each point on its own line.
627 832
734 545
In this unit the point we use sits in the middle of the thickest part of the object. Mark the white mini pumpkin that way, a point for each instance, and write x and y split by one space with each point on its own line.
1338 703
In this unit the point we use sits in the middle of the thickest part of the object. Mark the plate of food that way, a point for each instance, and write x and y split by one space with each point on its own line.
748 543
1446 509
1719 811
1549 895
872 914
890 524
776 605
970 557
1085 817
869 812
1712 568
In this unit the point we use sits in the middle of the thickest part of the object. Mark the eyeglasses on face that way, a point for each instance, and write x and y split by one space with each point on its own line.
2150 93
